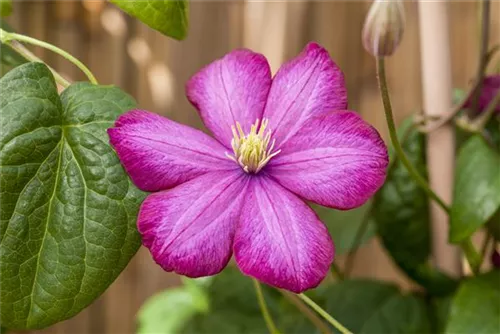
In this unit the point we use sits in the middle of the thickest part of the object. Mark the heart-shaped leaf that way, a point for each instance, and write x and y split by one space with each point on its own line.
68 209
476 306
170 17
476 196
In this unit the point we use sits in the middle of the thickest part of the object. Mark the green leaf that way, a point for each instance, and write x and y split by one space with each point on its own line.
476 196
365 306
493 226
68 209
170 17
5 7
476 306
168 311
344 226
401 212
439 312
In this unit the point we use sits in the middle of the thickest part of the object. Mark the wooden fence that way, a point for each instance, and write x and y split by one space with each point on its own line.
153 68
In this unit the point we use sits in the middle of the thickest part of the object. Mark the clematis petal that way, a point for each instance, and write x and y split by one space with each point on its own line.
229 90
336 160
159 153
280 240
309 85
189 229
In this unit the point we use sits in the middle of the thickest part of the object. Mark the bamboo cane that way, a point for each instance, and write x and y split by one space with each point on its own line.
437 98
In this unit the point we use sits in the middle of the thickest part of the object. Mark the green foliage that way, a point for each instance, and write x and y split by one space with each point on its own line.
5 7
401 212
476 195
168 311
476 306
68 209
227 304
345 225
366 306
170 17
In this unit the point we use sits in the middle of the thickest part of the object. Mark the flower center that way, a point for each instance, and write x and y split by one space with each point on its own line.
252 151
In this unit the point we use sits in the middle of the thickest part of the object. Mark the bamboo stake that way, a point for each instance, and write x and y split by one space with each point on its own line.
437 90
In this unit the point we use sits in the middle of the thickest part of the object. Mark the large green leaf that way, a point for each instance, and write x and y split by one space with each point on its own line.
476 196
365 306
169 311
5 7
476 306
344 226
401 212
169 17
68 209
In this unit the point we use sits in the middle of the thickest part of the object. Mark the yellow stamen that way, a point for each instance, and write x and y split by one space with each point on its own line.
252 152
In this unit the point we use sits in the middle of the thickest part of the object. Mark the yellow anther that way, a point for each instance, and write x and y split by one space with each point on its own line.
252 151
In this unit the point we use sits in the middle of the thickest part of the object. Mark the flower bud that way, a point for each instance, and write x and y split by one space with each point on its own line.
384 27
495 259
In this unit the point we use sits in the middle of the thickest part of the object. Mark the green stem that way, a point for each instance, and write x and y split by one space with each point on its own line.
8 37
472 255
315 320
324 314
394 137
349 262
337 272
263 307
23 51
488 237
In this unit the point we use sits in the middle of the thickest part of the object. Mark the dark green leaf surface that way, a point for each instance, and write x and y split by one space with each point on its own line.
476 196
5 7
68 209
170 17
401 212
476 306
401 208
365 306
344 226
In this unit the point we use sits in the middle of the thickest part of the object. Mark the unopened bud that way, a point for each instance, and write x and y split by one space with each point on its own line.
495 259
384 27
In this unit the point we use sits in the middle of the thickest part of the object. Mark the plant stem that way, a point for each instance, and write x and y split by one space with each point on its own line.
315 320
8 37
484 248
263 307
473 258
23 51
382 81
483 52
356 243
337 272
324 314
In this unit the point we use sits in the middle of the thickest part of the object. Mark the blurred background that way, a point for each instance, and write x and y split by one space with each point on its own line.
153 68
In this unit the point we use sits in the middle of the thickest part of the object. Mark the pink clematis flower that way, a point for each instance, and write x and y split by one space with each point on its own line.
490 87
278 141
